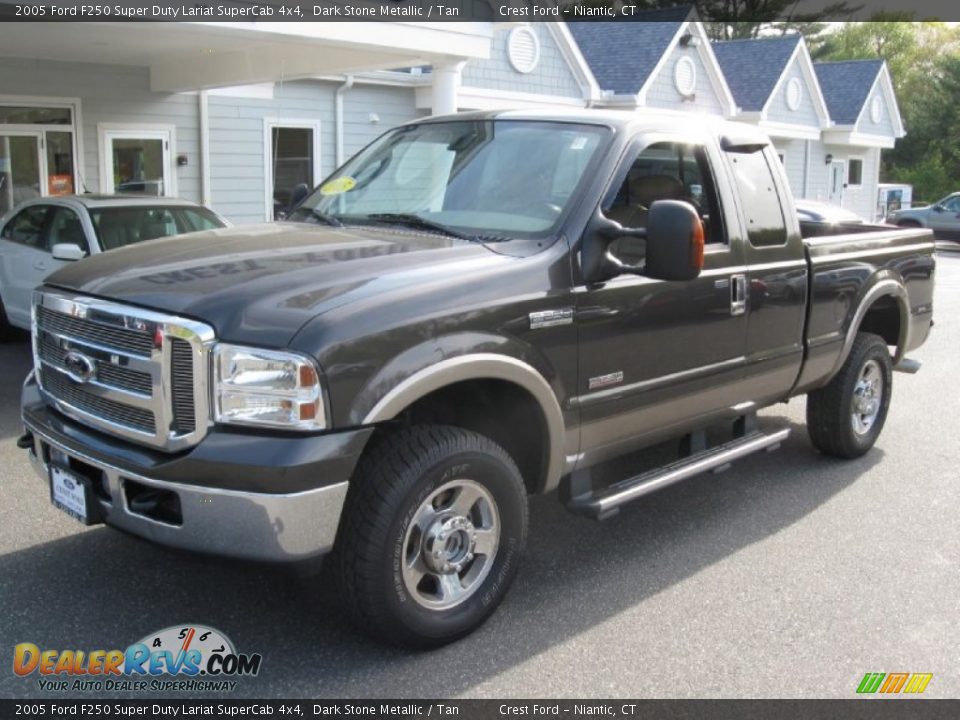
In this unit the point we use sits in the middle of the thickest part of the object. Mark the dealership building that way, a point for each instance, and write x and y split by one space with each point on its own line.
235 115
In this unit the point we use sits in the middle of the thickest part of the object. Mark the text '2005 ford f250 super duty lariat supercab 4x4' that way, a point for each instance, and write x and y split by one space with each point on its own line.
472 309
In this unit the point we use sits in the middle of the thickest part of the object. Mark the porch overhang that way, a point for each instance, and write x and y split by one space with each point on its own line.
847 135
190 56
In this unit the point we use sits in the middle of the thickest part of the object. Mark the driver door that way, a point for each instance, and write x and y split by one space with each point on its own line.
653 353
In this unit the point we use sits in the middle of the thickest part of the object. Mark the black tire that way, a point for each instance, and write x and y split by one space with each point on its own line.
390 489
831 410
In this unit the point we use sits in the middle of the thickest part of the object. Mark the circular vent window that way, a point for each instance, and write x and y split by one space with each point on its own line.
794 93
523 49
685 76
876 109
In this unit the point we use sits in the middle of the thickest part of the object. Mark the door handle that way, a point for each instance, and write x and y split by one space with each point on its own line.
738 294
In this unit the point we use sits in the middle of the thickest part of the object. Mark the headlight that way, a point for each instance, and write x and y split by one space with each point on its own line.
267 388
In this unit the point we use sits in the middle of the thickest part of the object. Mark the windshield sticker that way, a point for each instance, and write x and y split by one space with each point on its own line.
338 185
579 142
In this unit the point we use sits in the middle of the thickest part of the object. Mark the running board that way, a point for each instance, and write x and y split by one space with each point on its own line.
605 503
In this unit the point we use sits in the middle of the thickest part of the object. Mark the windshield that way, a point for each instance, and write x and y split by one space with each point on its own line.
477 178
119 226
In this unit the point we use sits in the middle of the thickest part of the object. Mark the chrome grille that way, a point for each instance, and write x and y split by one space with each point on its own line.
52 352
69 391
126 371
181 366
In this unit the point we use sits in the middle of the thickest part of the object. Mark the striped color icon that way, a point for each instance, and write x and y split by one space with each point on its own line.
893 683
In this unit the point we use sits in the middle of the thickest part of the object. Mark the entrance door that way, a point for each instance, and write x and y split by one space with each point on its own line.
21 168
838 172
292 159
137 161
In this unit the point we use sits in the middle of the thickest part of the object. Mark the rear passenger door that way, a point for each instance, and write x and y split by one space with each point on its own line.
653 353
777 273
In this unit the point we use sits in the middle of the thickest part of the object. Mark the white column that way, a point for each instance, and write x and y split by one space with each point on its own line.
446 86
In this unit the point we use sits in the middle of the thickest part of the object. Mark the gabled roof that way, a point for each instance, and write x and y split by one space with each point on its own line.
846 86
623 55
753 67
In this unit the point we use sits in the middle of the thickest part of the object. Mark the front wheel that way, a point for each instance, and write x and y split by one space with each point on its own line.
844 418
432 533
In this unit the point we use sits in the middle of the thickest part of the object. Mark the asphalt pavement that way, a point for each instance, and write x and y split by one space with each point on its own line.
790 575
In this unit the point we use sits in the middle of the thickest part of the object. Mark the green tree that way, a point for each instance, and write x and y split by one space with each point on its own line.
739 19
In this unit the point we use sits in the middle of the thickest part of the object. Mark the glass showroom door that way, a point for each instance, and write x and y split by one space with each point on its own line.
21 168
138 161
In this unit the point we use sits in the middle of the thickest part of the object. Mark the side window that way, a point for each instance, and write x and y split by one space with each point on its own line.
26 227
65 227
157 223
663 171
762 208
193 220
854 171
952 205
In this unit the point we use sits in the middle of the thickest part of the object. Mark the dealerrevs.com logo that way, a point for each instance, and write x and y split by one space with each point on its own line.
184 657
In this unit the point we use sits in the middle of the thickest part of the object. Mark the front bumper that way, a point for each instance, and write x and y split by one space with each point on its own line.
211 517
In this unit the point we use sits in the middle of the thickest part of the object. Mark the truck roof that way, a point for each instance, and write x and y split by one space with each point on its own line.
644 119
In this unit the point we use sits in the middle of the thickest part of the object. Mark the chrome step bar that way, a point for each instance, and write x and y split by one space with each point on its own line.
605 503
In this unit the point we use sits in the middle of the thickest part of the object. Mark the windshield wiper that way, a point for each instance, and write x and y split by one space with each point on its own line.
319 215
415 221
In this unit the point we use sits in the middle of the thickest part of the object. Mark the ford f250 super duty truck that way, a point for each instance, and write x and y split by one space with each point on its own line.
472 309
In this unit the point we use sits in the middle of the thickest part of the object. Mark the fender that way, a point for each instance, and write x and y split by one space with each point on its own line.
481 366
883 288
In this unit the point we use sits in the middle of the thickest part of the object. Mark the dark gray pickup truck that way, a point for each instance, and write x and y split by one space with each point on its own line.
473 309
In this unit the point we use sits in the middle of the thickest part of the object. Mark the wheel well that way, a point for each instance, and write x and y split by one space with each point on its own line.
908 223
498 409
883 319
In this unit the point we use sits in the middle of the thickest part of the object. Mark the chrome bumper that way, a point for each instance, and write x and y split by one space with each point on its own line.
253 526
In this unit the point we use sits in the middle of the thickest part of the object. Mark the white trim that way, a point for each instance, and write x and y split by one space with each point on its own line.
847 135
153 131
863 167
810 75
728 105
268 124
786 130
203 107
74 104
528 33
890 96
575 59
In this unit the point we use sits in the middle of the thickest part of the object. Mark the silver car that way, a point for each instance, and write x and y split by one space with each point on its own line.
943 217
41 235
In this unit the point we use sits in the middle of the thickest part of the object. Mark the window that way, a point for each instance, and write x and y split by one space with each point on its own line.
663 171
65 227
854 171
26 227
116 227
137 159
762 209
952 204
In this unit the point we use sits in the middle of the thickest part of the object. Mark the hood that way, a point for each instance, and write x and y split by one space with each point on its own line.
260 284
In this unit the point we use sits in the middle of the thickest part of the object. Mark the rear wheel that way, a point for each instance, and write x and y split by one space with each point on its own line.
845 418
431 536
7 330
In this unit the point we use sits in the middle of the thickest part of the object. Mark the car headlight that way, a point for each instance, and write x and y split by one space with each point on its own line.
267 388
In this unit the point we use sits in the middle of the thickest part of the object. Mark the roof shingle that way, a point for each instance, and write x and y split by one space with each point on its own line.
846 85
753 67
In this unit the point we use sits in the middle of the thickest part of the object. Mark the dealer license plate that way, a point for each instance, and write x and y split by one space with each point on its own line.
69 493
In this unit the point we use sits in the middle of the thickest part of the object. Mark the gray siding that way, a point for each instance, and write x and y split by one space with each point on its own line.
663 93
866 124
794 162
860 200
806 114
111 94
392 105
552 75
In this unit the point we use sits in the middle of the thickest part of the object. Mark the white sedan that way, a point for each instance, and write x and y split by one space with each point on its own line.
41 235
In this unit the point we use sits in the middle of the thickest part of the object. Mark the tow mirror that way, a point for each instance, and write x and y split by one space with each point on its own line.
67 251
674 241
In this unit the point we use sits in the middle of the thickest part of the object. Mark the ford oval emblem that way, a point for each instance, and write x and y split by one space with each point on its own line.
79 366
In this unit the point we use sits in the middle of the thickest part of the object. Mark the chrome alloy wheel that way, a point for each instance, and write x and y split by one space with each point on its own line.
867 398
451 544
